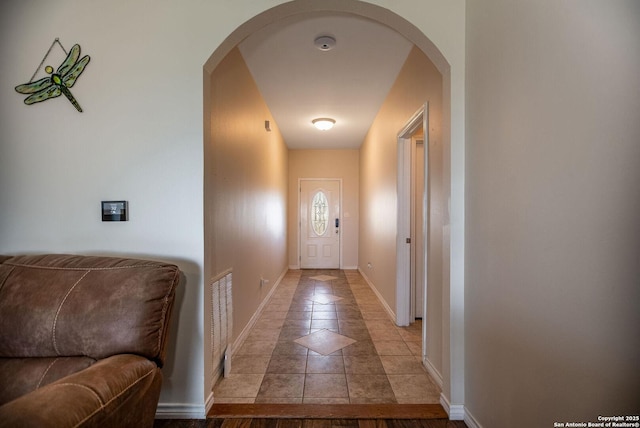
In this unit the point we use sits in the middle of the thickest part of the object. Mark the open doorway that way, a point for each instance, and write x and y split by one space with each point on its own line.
420 239
413 221
218 55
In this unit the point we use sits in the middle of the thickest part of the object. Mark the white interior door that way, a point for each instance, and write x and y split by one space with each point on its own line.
320 224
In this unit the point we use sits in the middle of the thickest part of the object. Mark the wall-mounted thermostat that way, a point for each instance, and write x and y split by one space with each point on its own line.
115 211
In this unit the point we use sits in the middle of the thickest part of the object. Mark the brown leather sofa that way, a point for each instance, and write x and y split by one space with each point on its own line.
82 340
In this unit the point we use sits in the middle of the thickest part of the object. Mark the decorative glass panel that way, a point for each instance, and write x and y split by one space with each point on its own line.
319 213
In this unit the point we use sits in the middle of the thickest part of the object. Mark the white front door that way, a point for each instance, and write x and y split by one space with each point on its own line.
320 224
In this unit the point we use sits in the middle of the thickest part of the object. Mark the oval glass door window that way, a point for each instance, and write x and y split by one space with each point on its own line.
319 213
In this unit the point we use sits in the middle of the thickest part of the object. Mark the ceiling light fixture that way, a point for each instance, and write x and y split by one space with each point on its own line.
323 123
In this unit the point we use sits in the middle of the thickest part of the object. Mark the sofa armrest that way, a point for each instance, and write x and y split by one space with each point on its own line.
119 391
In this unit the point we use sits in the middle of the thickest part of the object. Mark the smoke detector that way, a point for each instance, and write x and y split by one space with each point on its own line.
325 43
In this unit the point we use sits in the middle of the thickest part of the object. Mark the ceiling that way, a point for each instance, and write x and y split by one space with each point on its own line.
348 83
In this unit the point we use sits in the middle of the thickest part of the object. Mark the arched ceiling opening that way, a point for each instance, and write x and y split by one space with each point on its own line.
347 83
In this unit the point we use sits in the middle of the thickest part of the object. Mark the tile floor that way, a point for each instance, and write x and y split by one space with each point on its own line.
324 338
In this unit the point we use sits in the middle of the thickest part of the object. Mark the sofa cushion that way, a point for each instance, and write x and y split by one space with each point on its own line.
120 391
65 305
23 375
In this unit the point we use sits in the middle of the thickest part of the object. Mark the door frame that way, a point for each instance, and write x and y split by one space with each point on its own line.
404 311
299 231
416 225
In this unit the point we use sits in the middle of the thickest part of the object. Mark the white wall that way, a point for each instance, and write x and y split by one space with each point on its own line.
140 139
553 233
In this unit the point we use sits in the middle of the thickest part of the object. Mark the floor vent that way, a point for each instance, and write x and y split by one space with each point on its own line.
221 324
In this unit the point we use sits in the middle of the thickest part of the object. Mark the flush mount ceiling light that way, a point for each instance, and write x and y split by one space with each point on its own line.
323 123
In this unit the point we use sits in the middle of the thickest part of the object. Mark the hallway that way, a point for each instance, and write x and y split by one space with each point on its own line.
324 338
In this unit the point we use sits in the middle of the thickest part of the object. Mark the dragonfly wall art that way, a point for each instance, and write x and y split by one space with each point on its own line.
57 83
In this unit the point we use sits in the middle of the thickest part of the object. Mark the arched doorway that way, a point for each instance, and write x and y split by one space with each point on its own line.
453 370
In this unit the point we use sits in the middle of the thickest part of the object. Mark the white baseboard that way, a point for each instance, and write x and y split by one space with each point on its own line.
208 403
294 267
247 329
386 307
180 411
470 420
456 412
433 372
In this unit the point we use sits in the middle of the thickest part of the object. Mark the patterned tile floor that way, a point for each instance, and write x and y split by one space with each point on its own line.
324 338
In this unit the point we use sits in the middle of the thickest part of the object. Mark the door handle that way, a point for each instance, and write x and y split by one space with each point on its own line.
337 222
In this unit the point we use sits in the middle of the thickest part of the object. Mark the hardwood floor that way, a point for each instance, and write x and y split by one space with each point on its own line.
329 411
319 416
307 423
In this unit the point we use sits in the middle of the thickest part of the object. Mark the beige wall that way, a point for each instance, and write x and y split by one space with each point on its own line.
343 164
418 82
245 190
553 226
